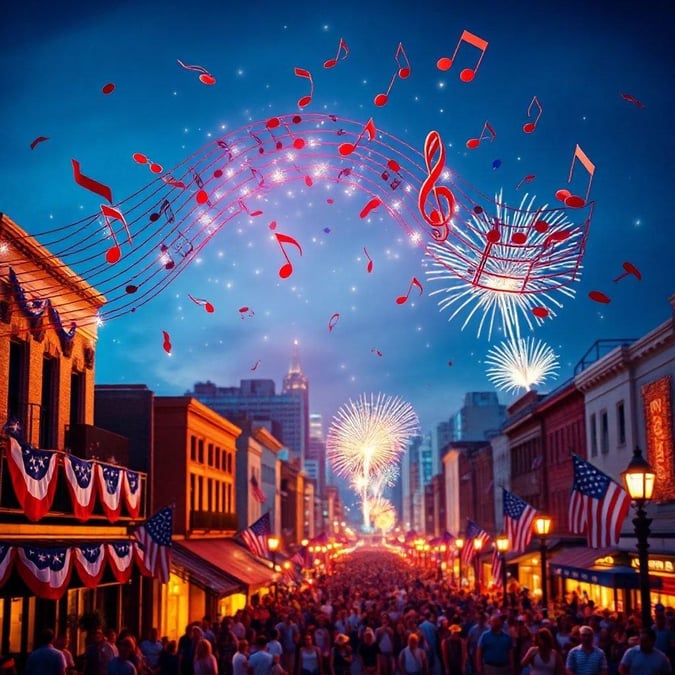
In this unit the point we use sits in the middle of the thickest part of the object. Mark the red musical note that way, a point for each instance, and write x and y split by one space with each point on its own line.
527 179
243 207
170 180
89 183
564 195
599 296
298 143
467 74
286 270
114 253
439 217
108 88
344 172
222 144
305 100
346 149
131 288
167 342
140 158
258 176
402 299
205 77
202 196
164 208
203 303
633 100
255 365
258 140
273 225
39 139
487 132
530 127
369 266
401 72
342 47
246 312
273 123
332 322
395 167
629 269
372 204
166 258
377 352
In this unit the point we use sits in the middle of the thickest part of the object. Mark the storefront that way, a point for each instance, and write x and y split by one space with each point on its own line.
661 578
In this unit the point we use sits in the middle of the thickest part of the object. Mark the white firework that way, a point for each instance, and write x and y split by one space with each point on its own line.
513 266
521 363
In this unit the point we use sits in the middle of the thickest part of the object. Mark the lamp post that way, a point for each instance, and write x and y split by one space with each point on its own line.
442 551
477 547
639 478
542 528
502 544
273 546
459 545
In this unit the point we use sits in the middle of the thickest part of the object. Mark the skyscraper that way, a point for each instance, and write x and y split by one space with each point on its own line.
315 458
296 384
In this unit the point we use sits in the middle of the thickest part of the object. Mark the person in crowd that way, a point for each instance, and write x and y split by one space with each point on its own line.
645 658
413 660
368 653
151 648
384 636
260 662
168 663
309 661
123 663
45 659
454 652
205 661
240 659
543 658
663 629
586 659
341 656
494 654
61 643
289 636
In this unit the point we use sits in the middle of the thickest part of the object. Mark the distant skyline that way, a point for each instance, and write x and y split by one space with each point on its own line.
604 79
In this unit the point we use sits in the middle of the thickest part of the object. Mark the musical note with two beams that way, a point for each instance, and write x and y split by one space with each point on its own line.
342 48
286 269
439 217
467 74
402 299
140 158
114 253
487 133
90 184
304 101
564 195
346 149
164 208
402 72
530 127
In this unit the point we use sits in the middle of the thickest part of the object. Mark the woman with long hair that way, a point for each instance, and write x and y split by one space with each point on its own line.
543 658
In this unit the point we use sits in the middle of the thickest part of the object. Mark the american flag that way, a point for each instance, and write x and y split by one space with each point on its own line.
154 538
473 532
255 536
518 517
257 493
598 505
496 571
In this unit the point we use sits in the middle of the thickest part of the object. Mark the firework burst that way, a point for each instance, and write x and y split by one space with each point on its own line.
507 268
521 363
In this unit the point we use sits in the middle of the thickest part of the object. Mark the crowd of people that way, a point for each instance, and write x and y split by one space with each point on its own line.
378 615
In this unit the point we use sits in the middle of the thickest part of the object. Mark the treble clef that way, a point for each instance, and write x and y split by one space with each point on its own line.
440 217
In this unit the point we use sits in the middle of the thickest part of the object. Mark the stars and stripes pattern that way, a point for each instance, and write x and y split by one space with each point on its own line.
496 568
518 517
131 488
81 485
110 489
255 536
598 505
154 544
473 531
257 493
46 571
121 558
90 563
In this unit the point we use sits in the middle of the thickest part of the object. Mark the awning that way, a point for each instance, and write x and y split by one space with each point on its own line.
202 573
579 564
233 560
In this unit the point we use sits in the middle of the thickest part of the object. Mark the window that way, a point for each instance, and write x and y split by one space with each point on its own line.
621 423
209 460
76 398
200 495
48 402
222 497
594 437
16 383
604 433
229 462
217 457
228 499
193 493
200 451
193 448
209 494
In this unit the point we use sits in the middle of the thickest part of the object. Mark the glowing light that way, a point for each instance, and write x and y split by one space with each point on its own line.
521 363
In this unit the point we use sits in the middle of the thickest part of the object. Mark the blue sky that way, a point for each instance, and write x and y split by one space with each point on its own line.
576 57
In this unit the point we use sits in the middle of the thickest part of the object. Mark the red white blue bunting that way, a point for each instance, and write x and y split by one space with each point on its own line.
81 485
46 571
110 489
121 558
132 492
6 559
33 474
90 563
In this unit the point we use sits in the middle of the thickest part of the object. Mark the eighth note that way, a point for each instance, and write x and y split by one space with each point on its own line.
305 100
342 47
487 133
347 148
402 299
402 72
369 266
114 253
165 208
564 195
286 270
530 127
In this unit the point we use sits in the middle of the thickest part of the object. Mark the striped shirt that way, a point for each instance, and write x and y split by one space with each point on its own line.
581 662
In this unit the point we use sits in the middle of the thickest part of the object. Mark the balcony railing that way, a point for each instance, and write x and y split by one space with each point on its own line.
210 520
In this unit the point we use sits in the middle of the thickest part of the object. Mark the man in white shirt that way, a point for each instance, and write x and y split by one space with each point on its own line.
240 659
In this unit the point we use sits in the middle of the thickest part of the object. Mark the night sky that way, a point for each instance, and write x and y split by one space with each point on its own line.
576 57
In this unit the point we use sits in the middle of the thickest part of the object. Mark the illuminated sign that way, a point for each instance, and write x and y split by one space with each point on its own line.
658 425
655 565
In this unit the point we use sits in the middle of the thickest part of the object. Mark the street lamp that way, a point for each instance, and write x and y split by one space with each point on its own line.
542 528
639 478
459 545
502 544
477 547
273 546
